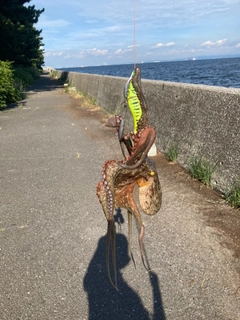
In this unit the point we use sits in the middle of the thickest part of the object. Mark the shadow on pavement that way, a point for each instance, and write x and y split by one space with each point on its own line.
44 83
107 303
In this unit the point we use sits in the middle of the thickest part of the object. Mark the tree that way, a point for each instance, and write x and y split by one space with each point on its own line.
20 41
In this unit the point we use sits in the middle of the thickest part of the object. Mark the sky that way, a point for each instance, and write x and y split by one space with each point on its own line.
101 32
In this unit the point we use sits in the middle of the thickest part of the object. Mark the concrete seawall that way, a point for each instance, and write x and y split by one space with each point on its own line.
201 120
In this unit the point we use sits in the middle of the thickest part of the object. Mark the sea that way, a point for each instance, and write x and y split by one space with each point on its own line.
224 72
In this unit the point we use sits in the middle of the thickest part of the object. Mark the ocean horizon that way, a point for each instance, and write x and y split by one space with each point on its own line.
224 72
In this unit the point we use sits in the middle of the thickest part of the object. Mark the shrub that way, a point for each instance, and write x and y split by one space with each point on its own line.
24 76
202 170
8 92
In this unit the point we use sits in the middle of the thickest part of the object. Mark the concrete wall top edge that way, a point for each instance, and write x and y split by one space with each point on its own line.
194 86
95 75
169 83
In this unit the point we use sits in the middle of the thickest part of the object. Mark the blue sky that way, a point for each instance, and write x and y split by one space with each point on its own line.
101 32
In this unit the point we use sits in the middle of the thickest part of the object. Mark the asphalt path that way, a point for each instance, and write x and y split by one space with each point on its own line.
52 228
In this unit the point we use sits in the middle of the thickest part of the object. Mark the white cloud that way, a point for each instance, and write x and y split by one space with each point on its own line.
53 53
44 22
162 13
69 54
213 44
133 46
122 51
97 52
109 29
119 51
220 42
160 45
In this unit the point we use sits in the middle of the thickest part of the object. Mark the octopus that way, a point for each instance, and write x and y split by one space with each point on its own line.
136 169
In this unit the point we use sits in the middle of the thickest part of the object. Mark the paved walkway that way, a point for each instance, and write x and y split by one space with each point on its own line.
52 229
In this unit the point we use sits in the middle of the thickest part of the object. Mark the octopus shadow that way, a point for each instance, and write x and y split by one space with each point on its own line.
107 303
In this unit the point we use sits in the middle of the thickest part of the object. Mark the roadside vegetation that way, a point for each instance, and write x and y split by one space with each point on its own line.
172 153
201 169
54 74
21 54
86 100
233 196
8 92
14 80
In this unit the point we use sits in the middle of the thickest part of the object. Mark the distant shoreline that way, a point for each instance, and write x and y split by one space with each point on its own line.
221 72
156 61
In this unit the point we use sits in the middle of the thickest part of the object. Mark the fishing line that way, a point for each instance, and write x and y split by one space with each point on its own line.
134 28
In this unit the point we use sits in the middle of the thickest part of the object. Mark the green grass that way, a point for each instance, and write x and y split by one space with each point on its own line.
67 89
54 73
201 169
93 101
172 153
86 99
233 196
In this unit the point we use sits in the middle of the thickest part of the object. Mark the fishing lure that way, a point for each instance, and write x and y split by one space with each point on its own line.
133 102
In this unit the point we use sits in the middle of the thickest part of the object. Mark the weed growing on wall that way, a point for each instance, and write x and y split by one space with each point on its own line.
53 73
172 153
86 100
201 169
93 101
233 197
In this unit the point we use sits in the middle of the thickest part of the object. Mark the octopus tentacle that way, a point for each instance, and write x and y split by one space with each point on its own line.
119 126
124 139
144 144
130 237
140 242
111 242
106 195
